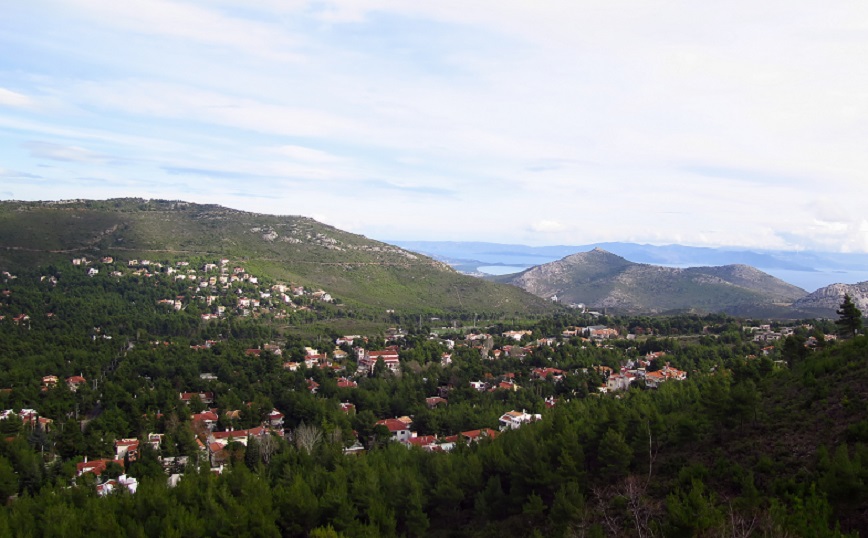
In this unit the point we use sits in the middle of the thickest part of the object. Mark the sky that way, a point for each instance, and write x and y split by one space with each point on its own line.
734 123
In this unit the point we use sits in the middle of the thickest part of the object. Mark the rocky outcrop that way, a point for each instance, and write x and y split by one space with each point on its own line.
831 297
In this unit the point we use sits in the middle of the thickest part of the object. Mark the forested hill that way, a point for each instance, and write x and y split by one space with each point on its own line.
361 272
600 279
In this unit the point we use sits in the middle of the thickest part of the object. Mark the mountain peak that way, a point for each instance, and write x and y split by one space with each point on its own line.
600 278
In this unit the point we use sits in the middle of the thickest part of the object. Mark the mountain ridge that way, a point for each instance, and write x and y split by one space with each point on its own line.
601 279
807 269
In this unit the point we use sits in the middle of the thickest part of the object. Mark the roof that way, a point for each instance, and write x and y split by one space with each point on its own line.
393 424
473 435
422 440
206 416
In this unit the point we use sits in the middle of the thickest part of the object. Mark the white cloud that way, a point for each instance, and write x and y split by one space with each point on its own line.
711 124
547 226
301 153
190 22
10 98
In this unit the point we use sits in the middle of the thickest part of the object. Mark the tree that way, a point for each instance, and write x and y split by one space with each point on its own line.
850 318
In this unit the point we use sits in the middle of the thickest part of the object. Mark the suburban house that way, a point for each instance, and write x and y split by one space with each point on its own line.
513 420
97 467
400 429
128 483
205 397
75 381
368 359
208 419
544 373
516 335
127 448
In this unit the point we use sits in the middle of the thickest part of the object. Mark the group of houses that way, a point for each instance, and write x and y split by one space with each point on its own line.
221 286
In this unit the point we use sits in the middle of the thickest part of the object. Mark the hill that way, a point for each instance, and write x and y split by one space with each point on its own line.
601 279
360 272
826 300
809 270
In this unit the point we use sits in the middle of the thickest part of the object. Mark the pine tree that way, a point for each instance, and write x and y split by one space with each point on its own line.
850 318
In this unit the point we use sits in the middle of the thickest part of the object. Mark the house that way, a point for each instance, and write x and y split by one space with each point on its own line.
621 381
208 419
516 335
505 385
434 401
275 419
238 436
344 383
348 408
601 332
512 420
348 339
205 397
28 416
75 381
399 429
127 448
480 386
155 440
97 467
123 482
49 381
544 373
425 442
274 349
474 436
368 359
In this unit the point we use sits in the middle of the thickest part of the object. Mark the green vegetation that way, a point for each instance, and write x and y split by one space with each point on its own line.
755 442
369 276
850 318
229 377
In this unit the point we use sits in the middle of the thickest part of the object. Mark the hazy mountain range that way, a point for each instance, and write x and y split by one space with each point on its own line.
602 280
809 270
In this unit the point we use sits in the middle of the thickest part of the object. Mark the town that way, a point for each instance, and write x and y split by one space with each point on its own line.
515 366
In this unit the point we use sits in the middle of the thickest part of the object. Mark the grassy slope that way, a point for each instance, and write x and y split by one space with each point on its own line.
351 267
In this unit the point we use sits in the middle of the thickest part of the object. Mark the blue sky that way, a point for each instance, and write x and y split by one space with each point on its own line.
556 122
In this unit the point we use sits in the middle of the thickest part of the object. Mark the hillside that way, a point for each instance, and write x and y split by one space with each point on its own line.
360 272
601 279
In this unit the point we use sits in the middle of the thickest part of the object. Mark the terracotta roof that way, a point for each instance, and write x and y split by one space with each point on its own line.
393 424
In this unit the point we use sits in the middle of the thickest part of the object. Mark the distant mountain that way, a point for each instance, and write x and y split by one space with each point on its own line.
827 300
601 279
357 270
808 269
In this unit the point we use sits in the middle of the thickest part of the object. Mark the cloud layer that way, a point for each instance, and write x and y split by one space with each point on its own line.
557 122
